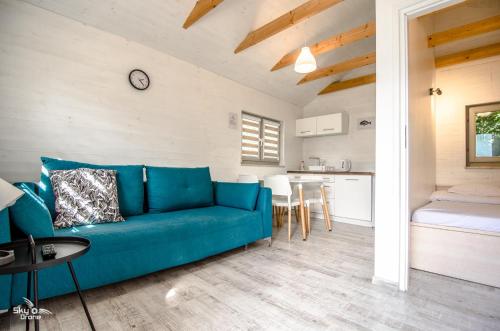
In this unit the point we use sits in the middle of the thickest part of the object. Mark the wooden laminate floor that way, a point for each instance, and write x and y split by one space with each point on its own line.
321 284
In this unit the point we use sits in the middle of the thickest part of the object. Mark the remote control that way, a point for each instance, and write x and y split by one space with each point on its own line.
48 251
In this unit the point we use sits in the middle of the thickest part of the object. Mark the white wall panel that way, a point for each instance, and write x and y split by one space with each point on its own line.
421 120
64 92
357 145
466 84
387 218
210 43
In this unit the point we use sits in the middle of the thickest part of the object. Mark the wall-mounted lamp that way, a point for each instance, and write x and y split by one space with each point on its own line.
433 91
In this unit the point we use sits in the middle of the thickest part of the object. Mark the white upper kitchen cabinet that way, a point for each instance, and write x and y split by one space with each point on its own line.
305 127
322 125
331 124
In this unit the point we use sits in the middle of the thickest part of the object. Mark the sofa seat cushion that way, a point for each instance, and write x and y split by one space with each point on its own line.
172 189
154 229
151 242
129 178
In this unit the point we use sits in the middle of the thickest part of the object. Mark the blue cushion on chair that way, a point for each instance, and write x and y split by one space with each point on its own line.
31 215
178 188
236 195
129 179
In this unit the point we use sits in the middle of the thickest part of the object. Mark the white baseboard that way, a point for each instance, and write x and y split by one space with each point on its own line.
384 282
344 220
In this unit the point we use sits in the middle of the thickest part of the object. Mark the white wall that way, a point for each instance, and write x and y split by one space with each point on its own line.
421 134
64 92
388 134
465 84
357 145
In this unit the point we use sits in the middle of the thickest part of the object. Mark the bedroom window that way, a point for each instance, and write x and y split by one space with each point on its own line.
260 140
483 135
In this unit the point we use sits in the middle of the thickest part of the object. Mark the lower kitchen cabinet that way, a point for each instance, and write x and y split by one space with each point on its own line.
350 197
353 197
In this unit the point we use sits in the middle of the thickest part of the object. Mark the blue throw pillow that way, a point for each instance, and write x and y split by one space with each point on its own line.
178 188
129 179
237 195
31 215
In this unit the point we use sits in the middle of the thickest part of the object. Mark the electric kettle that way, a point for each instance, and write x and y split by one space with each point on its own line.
343 165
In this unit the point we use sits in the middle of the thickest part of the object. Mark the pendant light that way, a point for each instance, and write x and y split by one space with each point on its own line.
306 62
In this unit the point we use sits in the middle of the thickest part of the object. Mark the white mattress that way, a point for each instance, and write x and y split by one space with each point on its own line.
477 216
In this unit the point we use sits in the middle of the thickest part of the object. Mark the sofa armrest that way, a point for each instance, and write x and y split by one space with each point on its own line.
5 280
264 205
30 214
4 226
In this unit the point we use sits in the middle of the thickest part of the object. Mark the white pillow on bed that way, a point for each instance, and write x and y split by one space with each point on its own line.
447 196
482 190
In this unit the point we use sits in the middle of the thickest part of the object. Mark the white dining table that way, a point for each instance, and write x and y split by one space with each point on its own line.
299 183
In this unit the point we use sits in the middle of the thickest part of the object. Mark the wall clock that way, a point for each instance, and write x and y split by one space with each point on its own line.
139 79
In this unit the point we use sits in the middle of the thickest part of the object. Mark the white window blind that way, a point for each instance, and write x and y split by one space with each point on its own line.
260 139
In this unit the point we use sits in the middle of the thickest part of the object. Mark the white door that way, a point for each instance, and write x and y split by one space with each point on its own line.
305 127
353 197
329 124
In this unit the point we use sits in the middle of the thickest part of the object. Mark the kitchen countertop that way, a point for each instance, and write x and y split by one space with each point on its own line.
312 172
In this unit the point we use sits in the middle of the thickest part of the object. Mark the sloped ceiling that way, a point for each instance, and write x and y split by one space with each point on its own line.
468 12
211 41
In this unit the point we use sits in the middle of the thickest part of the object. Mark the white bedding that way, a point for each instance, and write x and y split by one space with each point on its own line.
444 195
468 215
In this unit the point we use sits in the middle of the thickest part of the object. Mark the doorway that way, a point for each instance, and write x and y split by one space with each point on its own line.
435 92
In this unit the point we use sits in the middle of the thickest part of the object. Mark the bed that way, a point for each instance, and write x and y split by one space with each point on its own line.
458 236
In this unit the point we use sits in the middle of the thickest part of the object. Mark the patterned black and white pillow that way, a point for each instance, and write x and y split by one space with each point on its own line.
85 196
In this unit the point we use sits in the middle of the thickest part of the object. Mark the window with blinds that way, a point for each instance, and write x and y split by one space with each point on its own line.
260 139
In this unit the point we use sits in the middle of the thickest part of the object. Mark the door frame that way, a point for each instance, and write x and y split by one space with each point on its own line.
406 13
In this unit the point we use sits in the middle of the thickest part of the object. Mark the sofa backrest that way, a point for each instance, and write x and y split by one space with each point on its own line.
165 189
129 178
171 189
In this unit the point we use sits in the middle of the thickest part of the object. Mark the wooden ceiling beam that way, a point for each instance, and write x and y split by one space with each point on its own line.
361 32
468 55
200 9
464 31
302 12
345 84
350 64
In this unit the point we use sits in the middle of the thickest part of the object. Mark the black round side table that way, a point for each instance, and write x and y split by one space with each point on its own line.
28 258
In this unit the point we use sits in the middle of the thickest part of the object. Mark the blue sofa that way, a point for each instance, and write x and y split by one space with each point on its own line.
5 280
181 216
